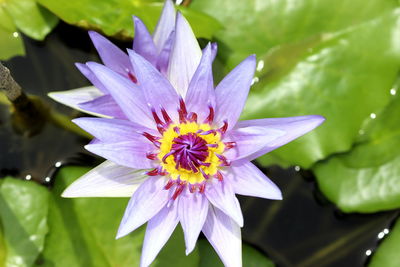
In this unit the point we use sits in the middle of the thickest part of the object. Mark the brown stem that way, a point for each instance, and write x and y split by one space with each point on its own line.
12 89
30 113
186 3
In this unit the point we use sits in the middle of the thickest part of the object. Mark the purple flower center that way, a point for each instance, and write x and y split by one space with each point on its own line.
189 151
196 149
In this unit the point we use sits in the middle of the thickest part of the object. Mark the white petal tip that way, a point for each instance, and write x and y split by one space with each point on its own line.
68 193
65 195
320 119
76 121
189 249
274 193
63 97
119 235
315 121
278 197
89 147
50 94
54 95
122 230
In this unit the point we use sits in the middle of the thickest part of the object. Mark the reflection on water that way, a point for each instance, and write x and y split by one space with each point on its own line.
305 230
302 230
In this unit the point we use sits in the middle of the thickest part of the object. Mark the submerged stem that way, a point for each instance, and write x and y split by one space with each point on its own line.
12 89
29 114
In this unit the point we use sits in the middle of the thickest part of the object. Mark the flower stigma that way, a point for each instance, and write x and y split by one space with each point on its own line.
189 153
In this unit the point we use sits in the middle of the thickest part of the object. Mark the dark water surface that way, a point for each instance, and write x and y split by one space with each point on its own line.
302 230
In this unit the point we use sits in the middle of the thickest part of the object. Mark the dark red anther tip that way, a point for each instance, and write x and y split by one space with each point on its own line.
192 117
182 106
169 184
163 172
166 117
178 191
152 172
152 139
182 111
160 128
229 145
176 129
225 162
155 116
219 176
192 188
210 117
202 188
132 77
151 156
224 127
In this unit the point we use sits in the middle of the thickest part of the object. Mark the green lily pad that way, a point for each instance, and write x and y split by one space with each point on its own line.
332 58
387 253
251 256
29 17
114 17
83 230
3 249
23 214
366 179
10 40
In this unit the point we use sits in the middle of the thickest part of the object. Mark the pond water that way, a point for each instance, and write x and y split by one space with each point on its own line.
302 230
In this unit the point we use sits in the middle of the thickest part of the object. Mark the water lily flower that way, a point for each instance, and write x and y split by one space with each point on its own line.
178 150
155 48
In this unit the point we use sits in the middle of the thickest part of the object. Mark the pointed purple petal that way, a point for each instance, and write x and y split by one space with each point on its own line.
185 56
106 180
222 196
192 210
104 105
214 50
250 140
165 25
292 127
127 94
248 180
110 54
224 235
156 88
143 42
231 93
95 141
91 77
163 57
158 231
131 154
146 202
200 95
112 130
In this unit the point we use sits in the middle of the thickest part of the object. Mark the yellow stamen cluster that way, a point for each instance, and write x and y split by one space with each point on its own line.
188 175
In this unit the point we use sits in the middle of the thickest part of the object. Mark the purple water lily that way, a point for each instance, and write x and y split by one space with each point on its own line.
177 147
